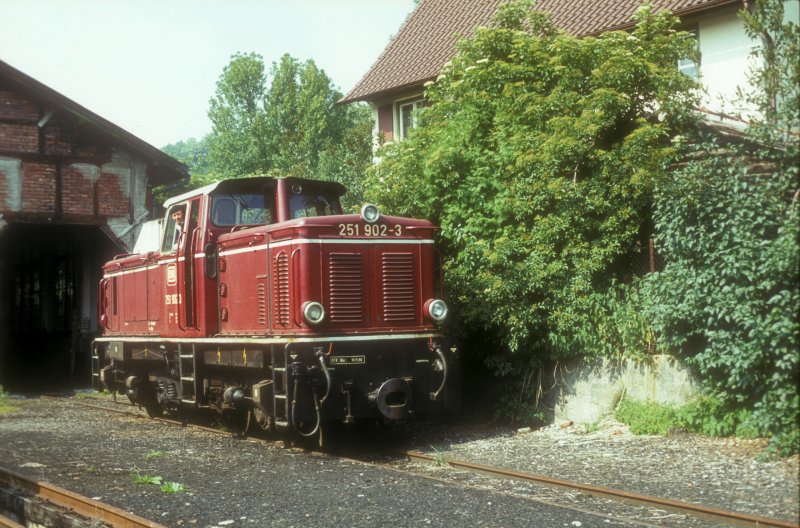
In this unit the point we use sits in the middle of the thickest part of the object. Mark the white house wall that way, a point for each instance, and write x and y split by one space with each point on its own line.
726 61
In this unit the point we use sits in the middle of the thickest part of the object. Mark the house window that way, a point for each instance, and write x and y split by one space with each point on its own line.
688 66
407 114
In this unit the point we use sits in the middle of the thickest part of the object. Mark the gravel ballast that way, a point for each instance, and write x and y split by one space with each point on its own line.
234 482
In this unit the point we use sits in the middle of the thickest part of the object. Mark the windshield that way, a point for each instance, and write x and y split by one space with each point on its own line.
240 209
310 203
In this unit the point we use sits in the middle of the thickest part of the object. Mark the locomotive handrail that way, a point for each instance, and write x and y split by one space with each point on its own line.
435 394
321 357
178 245
414 228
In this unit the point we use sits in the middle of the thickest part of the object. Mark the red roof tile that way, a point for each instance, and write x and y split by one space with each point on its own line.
426 40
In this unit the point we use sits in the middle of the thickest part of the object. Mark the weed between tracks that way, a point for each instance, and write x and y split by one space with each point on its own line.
5 406
165 486
439 457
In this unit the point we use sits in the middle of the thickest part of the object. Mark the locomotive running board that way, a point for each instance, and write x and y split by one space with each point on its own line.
265 340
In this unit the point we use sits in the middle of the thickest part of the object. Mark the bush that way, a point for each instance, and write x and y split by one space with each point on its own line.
648 417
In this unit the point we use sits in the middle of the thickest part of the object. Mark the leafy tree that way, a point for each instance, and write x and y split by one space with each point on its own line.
289 126
237 145
193 153
537 157
348 160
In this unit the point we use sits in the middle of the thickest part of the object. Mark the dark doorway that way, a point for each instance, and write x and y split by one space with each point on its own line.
48 298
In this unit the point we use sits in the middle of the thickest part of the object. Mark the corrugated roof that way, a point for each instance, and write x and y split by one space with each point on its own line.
426 40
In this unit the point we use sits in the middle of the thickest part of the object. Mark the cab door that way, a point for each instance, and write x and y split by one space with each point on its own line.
177 268
186 267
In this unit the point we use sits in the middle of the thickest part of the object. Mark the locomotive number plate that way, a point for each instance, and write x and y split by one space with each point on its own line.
348 360
372 230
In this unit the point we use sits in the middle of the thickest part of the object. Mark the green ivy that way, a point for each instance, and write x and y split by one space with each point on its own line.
728 296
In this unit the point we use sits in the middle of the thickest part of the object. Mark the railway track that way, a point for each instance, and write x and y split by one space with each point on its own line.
706 512
697 510
37 503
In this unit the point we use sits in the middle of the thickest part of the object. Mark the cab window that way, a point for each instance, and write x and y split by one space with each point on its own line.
303 204
174 222
229 210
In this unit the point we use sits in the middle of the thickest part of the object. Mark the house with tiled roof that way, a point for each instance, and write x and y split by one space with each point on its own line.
394 85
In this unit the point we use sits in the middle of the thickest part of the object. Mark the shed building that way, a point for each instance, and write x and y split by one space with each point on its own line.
74 191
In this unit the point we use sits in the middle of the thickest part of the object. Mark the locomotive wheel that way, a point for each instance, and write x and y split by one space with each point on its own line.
153 409
330 435
237 421
262 419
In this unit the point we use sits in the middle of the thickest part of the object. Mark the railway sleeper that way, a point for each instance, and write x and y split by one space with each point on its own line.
28 510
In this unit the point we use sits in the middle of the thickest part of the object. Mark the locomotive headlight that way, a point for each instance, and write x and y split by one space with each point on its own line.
313 312
436 309
370 213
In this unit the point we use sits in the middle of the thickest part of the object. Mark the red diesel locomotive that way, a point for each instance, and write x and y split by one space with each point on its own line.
259 298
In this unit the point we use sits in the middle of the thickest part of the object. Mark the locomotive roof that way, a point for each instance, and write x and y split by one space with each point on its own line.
253 184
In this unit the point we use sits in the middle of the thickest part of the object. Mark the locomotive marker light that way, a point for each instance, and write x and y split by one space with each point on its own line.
313 312
436 309
370 213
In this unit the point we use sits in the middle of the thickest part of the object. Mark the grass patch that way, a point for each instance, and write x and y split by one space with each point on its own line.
173 487
92 395
592 427
139 478
647 417
5 404
164 485
439 457
154 454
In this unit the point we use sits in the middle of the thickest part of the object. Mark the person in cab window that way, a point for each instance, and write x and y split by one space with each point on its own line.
178 217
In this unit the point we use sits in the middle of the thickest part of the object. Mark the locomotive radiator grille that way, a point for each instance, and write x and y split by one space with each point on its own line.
282 288
346 283
398 286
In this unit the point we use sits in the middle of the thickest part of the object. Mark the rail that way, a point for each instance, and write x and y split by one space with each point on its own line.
70 501
715 514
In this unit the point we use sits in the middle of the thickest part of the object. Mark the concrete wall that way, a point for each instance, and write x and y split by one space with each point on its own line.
589 390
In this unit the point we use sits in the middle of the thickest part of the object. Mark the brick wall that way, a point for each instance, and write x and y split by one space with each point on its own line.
38 187
65 170
111 200
58 140
77 192
15 107
19 138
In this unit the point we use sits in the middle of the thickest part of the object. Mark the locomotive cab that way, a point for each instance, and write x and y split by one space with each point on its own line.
265 300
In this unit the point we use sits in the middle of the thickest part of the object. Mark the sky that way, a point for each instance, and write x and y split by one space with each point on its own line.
151 66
